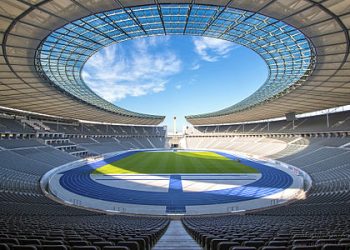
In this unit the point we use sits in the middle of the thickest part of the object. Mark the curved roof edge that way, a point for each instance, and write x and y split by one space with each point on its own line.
24 24
326 25
286 51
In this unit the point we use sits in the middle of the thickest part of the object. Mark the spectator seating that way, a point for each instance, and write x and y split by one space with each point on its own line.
80 232
320 221
269 232
337 122
30 220
10 124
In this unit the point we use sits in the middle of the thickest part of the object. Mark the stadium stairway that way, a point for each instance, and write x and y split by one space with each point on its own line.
176 238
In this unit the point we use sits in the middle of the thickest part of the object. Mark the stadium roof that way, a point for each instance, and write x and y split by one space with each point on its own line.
45 43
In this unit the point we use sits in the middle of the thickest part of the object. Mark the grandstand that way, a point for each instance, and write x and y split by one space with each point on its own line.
51 121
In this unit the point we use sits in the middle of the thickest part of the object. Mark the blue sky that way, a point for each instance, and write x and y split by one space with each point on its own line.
175 75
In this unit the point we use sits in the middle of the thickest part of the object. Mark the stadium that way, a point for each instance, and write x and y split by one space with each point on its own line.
269 172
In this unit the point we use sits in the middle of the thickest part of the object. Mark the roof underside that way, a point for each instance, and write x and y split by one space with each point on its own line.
314 76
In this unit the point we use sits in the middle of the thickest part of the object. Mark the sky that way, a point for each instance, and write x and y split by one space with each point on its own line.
174 75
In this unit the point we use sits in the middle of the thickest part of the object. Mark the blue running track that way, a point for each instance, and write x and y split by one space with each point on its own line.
78 181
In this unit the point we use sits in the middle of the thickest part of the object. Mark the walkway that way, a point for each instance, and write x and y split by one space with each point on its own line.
176 238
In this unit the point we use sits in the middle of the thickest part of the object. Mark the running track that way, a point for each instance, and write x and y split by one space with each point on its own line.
78 181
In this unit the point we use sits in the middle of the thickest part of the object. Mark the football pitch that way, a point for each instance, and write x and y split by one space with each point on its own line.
203 162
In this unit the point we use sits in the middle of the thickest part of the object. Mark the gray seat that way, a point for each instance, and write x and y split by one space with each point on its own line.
52 247
274 248
4 246
226 245
26 247
84 248
335 247
132 245
115 248
243 248
304 248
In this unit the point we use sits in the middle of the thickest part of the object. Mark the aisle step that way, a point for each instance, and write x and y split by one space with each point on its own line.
176 238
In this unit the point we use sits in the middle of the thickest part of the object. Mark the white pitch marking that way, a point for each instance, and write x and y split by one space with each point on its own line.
190 182
150 183
202 183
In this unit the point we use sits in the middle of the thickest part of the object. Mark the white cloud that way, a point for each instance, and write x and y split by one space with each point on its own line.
195 66
157 40
212 49
115 73
178 87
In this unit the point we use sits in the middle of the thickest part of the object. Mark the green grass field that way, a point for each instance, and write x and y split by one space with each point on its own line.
174 162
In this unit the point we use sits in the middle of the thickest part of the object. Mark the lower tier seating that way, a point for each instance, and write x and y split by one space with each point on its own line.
29 220
252 232
91 232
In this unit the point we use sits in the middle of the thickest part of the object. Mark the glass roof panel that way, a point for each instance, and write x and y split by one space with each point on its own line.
287 52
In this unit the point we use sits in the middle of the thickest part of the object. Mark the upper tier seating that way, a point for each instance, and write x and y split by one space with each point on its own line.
336 122
99 129
14 126
18 143
111 144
